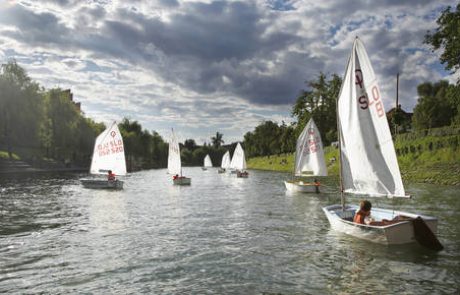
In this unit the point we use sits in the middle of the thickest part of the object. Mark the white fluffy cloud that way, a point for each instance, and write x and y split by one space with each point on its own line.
207 66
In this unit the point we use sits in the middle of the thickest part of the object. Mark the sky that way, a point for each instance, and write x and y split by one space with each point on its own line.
203 66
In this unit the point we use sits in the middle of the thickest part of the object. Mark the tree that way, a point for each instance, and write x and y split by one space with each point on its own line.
319 103
190 144
447 38
433 109
217 140
21 109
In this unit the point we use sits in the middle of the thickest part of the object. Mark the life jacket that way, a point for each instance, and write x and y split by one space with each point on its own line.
111 176
359 217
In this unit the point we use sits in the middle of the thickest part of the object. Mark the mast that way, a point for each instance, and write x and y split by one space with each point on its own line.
342 196
395 115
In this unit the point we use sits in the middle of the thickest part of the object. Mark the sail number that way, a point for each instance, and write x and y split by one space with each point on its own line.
111 147
363 99
312 142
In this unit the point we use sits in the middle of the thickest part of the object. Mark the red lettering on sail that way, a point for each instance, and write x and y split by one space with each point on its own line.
359 78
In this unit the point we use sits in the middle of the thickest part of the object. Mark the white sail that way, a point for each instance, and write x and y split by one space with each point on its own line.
309 152
174 162
368 159
109 152
225 160
207 161
238 160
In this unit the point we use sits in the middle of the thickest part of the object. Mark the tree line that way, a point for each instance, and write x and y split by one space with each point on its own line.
46 128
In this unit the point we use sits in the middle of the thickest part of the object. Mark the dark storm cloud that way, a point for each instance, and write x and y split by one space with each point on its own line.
34 28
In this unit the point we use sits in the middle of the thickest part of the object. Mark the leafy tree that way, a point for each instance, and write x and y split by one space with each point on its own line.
21 108
190 144
447 38
433 109
217 140
319 103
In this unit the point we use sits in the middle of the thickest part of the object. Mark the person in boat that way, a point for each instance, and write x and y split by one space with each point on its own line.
364 213
111 176
175 176
317 184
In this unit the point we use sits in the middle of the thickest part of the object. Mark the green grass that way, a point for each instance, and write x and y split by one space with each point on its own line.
441 166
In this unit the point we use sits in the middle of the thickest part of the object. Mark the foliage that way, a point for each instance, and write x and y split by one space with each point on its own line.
447 38
434 107
217 140
319 103
269 138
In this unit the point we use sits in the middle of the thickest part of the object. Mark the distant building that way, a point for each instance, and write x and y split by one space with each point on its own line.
401 118
68 93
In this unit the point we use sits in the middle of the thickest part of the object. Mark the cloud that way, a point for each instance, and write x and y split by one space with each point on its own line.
216 65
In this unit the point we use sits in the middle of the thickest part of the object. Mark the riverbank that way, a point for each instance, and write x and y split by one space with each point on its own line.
436 167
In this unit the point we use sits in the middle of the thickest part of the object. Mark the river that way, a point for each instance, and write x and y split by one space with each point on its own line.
221 235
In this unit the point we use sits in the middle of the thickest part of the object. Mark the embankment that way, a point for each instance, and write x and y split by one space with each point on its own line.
428 156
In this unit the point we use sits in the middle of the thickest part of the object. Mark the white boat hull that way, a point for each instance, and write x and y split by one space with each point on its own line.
182 181
221 170
301 187
102 184
393 234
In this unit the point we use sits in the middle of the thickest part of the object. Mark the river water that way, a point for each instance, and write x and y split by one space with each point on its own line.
221 235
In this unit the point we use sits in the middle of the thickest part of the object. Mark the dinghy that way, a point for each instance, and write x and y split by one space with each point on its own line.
207 163
368 163
174 162
108 155
309 160
238 163
225 163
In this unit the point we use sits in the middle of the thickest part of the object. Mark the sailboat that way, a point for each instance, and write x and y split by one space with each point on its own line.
174 162
108 155
368 163
207 163
238 162
309 160
225 163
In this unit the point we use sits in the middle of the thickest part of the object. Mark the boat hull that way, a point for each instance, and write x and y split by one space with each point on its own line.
182 181
221 170
102 184
301 187
393 234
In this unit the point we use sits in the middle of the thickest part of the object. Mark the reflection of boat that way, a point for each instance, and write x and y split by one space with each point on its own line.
207 163
225 164
238 163
108 155
174 162
368 163
309 160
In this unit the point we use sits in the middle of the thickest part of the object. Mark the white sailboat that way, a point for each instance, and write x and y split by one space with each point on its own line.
309 160
108 155
174 162
225 163
238 162
368 163
207 163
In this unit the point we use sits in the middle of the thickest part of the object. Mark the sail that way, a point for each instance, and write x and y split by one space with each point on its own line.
309 157
225 160
368 159
207 161
238 160
174 163
109 153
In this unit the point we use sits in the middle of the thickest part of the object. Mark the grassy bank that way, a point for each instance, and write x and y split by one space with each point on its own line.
429 157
